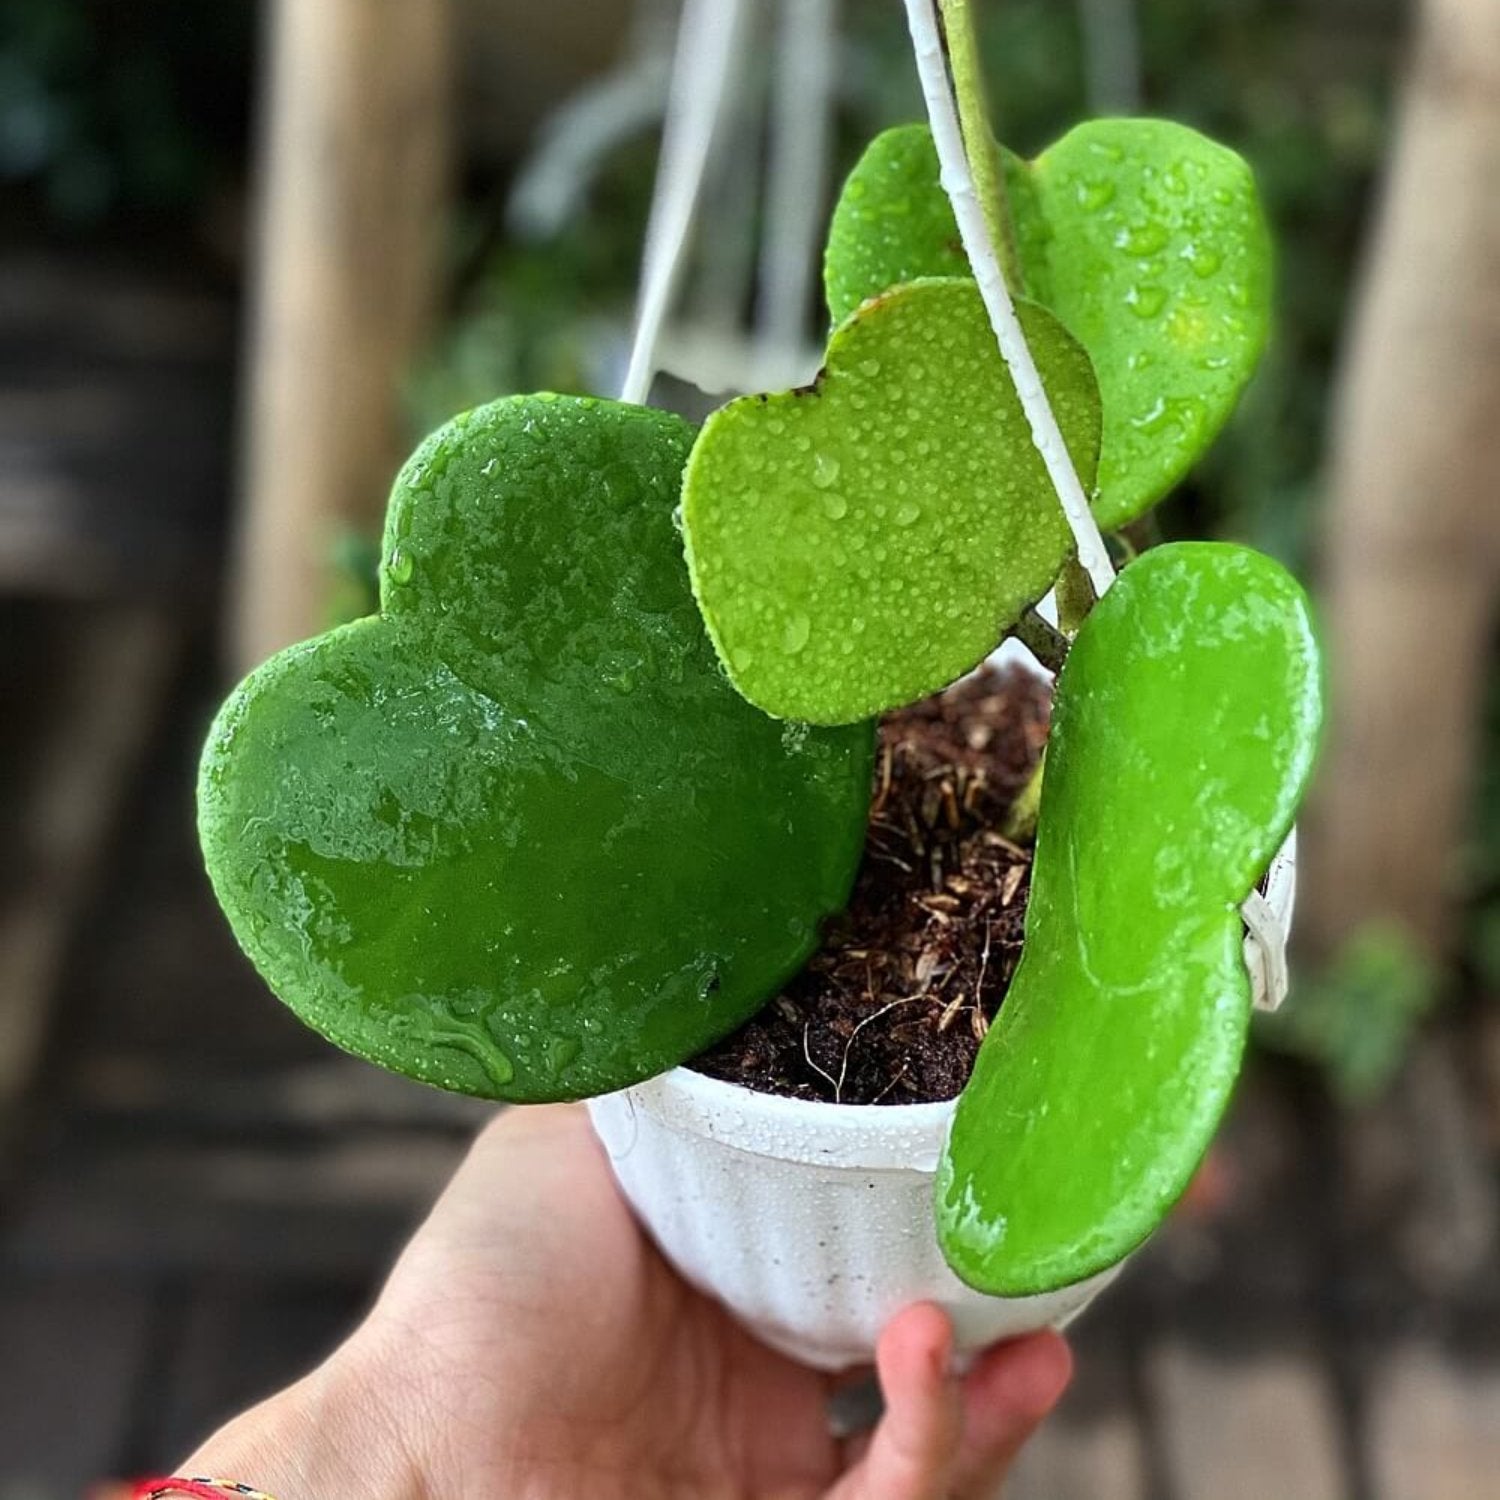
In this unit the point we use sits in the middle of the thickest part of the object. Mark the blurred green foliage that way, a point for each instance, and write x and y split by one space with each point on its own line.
109 106
1356 1018
1302 89
532 317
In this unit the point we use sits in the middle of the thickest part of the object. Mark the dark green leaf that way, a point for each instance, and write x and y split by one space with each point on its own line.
516 835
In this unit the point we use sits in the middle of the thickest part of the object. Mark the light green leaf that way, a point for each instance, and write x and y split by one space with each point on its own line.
515 835
1184 731
1145 238
859 543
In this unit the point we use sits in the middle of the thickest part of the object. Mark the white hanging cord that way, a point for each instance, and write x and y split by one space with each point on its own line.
577 138
554 183
958 181
1111 56
797 178
700 71
723 265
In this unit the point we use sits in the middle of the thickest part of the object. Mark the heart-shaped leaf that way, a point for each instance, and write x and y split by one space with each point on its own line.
1183 733
859 543
516 836
1145 238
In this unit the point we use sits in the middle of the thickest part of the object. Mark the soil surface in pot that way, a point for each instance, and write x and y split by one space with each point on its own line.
893 1007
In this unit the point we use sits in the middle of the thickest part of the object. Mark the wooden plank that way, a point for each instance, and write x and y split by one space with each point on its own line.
1246 1428
74 1354
1386 830
114 427
1094 1447
299 1208
1434 1426
81 763
333 1094
354 166
1417 1181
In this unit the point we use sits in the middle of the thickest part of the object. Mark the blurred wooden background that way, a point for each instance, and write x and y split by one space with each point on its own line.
197 1197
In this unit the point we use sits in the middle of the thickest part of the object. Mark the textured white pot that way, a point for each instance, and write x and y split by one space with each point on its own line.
813 1222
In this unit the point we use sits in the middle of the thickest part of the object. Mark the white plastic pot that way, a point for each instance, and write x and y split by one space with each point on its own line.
813 1222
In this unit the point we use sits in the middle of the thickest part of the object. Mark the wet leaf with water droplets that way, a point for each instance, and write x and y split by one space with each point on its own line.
933 549
1184 730
1142 236
516 835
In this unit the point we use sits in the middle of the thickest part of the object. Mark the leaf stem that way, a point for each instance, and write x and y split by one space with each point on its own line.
1045 642
1021 821
1076 596
985 164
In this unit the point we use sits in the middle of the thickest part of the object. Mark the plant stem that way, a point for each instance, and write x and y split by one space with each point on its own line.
979 140
1076 596
958 181
1021 820
1048 644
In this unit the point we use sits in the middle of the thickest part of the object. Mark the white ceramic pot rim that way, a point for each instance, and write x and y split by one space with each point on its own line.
867 1137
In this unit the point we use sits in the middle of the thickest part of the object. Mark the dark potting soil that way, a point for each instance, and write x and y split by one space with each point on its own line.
893 1007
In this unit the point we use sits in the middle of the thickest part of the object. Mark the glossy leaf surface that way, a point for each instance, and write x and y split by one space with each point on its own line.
1184 730
859 543
1145 238
516 836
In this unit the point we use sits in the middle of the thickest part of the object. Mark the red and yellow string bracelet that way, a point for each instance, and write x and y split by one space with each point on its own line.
197 1487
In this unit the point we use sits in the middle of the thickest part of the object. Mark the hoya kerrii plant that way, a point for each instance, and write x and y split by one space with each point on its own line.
578 799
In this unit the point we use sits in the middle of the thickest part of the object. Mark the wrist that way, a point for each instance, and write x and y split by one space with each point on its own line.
320 1439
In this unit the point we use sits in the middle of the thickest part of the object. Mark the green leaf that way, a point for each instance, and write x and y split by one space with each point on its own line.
859 543
1145 238
1184 730
516 836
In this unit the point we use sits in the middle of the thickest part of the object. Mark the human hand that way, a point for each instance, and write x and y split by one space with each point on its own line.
531 1343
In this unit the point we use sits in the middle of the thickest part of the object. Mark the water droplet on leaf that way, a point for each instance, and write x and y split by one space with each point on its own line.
561 1051
1143 239
1146 300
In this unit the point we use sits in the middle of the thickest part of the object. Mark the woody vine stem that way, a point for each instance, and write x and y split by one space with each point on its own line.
962 40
